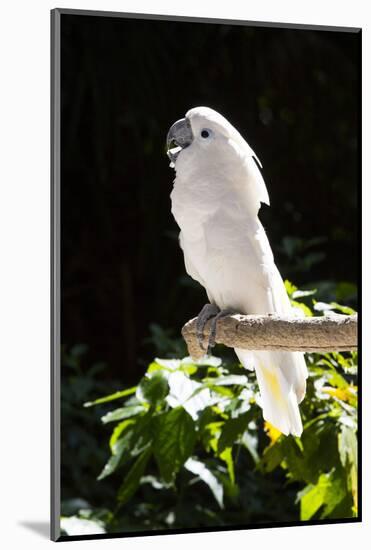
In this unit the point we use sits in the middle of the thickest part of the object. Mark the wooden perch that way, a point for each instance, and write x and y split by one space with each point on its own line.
273 332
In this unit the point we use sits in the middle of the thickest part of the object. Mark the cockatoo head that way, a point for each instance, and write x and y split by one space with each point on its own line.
204 147
205 136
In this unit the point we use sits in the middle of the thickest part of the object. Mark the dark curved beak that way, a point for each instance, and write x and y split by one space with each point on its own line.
178 138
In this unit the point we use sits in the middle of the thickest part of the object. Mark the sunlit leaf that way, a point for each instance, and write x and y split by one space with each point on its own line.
322 306
290 288
122 412
191 395
302 307
78 526
328 492
118 432
203 472
112 397
227 456
302 293
347 394
120 444
344 309
231 380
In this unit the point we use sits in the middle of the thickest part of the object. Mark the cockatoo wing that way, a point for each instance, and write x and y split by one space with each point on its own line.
282 375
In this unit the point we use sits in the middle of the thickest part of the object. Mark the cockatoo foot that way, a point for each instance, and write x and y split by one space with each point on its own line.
209 311
222 313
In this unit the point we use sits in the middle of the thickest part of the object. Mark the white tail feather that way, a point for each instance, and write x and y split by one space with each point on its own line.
282 379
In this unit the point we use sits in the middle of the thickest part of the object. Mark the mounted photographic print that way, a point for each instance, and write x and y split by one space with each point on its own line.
205 266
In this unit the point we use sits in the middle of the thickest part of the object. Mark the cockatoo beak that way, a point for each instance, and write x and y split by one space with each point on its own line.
180 135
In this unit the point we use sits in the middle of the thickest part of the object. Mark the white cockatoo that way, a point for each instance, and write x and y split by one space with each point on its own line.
216 198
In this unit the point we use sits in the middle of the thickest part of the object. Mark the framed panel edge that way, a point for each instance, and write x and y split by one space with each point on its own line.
196 19
55 427
55 133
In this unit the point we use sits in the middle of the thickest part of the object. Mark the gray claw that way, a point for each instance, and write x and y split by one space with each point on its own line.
207 312
222 313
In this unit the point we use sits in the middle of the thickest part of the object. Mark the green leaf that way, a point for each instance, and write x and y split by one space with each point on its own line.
347 446
319 455
338 381
155 367
323 306
227 457
132 479
302 293
189 369
345 291
231 380
329 491
122 412
75 525
343 361
115 460
250 442
344 309
129 439
167 364
153 389
143 434
155 482
272 457
174 441
119 432
232 430
200 469
120 443
349 458
290 288
303 307
210 435
312 498
111 397
189 394
221 390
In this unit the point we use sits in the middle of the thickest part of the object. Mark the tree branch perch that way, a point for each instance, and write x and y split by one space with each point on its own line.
276 333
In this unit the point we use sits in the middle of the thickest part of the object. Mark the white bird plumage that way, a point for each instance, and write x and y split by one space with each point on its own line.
216 197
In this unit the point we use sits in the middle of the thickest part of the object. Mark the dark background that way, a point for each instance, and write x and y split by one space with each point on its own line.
293 94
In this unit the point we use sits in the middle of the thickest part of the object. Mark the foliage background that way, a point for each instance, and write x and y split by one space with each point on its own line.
293 94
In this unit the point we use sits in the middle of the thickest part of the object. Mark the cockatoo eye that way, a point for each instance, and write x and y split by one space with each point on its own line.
205 133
